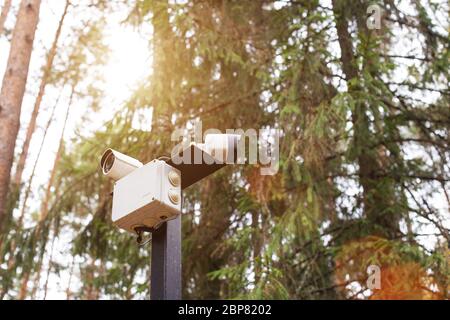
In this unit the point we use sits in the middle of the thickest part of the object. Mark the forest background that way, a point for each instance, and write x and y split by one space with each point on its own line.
364 149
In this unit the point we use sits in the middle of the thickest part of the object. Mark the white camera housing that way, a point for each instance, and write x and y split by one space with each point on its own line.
144 195
147 196
222 147
117 165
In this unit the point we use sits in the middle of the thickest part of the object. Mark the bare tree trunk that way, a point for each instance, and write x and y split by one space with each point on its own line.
20 220
44 208
44 212
23 156
49 269
24 286
30 180
44 205
4 15
13 90
37 104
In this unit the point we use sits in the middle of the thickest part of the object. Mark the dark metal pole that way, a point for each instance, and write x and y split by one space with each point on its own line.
166 261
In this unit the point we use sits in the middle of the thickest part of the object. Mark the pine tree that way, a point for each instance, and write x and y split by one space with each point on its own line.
13 89
44 80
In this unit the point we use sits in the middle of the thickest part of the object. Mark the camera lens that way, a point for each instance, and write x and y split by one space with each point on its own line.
109 162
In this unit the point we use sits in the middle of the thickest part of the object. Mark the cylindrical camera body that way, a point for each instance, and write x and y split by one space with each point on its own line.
116 165
222 146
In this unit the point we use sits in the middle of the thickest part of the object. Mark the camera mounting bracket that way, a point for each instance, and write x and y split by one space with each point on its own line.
193 172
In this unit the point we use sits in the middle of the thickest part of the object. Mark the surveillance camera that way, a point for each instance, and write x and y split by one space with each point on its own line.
116 165
222 147
144 196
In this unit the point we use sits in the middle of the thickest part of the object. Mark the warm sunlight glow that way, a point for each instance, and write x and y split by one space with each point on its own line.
128 64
